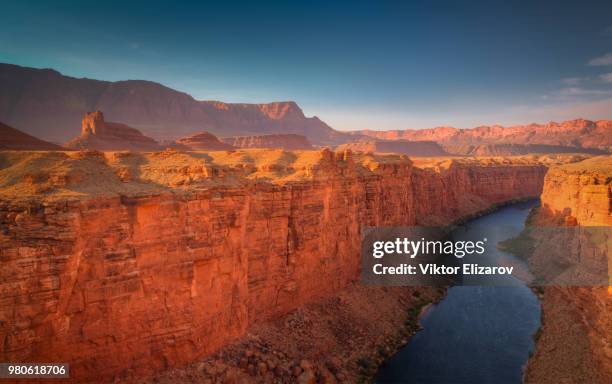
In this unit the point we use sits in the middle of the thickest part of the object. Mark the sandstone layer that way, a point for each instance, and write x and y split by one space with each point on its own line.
279 141
201 141
13 139
130 263
106 136
410 148
575 342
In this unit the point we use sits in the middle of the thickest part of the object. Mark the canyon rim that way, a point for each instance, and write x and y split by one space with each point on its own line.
188 191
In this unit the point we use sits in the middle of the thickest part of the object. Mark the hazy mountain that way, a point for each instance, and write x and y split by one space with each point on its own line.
13 139
47 104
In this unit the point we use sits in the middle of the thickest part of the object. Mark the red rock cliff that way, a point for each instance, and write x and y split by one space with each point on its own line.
575 343
129 263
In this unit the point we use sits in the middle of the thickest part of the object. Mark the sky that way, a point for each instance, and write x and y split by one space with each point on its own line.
355 64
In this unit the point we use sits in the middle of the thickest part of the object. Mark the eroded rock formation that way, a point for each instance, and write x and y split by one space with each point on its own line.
128 263
106 136
281 141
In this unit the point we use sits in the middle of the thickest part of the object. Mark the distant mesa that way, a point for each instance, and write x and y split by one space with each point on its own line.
15 140
201 141
281 141
410 148
516 149
98 134
49 105
572 133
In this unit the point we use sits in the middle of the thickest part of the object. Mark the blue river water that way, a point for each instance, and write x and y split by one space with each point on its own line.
476 334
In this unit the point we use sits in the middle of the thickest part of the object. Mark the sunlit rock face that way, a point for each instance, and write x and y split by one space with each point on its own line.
574 345
580 192
100 135
128 263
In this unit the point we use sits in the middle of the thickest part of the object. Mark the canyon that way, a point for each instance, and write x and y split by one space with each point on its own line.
125 263
46 104
575 342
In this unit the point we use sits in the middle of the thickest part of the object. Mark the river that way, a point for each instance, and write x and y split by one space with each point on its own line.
476 334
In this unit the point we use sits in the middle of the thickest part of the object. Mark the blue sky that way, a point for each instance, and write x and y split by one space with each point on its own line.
356 65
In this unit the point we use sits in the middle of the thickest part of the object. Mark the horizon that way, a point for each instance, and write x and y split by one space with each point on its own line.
377 66
322 119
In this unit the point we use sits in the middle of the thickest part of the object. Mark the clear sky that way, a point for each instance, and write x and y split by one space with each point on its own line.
356 65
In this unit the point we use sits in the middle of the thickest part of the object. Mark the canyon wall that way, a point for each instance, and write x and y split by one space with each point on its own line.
129 263
575 342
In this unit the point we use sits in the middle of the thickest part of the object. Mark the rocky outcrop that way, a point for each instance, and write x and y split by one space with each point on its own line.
105 136
49 105
14 140
281 141
580 192
410 148
202 141
572 133
575 342
128 263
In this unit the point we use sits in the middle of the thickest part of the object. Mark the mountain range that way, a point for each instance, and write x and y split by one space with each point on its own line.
48 105
579 133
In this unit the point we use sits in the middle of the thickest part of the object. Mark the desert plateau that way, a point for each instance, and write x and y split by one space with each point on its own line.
313 193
